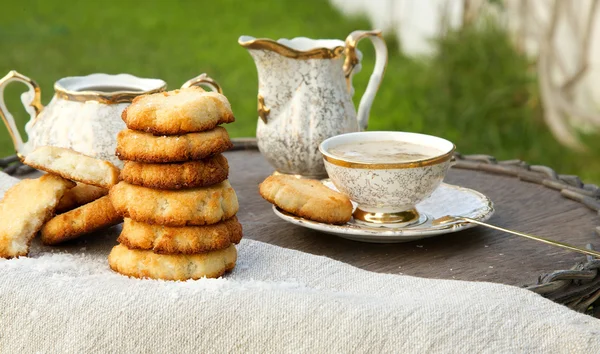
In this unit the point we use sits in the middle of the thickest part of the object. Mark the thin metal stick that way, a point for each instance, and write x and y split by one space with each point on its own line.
452 219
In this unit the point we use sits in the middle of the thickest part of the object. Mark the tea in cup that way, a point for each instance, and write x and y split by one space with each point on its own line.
386 173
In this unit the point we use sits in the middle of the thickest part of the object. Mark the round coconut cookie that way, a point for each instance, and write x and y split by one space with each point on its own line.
184 207
307 198
147 264
189 174
175 240
178 112
144 147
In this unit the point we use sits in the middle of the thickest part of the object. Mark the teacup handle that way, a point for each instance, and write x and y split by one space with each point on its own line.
32 101
353 61
203 80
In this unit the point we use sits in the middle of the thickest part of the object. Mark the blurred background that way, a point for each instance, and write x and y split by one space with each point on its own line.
513 78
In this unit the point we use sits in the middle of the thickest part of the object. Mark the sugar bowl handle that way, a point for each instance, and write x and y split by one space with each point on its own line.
203 80
353 61
32 101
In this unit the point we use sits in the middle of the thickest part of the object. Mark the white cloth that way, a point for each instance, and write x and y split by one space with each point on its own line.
67 300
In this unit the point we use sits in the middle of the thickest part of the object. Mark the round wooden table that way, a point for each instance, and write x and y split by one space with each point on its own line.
477 254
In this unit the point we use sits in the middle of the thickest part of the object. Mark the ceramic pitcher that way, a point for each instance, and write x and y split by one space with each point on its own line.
305 96
85 112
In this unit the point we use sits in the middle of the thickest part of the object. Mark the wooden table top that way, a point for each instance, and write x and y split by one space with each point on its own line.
477 254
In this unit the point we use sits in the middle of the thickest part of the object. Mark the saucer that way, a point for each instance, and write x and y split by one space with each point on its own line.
447 199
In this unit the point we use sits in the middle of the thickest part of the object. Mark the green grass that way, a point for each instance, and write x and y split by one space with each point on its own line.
478 91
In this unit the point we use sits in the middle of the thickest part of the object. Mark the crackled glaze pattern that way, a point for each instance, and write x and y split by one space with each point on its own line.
308 102
87 127
387 190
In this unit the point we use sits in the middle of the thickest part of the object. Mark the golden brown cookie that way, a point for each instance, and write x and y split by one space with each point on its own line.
145 147
73 165
25 208
180 240
147 264
189 174
79 195
307 198
90 217
184 207
178 112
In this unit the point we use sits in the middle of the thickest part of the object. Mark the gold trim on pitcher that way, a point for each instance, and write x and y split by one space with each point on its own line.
102 97
351 58
274 46
263 111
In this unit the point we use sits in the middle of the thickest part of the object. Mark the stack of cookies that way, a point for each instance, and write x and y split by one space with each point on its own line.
178 206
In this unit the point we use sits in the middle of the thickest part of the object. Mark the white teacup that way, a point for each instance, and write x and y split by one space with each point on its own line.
386 185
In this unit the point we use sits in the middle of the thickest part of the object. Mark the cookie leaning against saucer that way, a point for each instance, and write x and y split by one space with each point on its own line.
307 198
147 264
180 240
144 147
24 209
73 165
90 217
184 207
177 175
79 195
178 112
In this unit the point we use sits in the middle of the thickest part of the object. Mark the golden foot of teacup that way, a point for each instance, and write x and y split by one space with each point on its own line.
399 219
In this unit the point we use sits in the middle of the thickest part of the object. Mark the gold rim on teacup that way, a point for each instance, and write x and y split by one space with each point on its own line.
380 166
392 201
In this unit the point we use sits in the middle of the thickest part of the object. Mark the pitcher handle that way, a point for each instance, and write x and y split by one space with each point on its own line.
32 101
203 80
352 61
